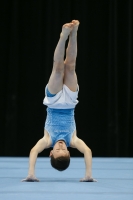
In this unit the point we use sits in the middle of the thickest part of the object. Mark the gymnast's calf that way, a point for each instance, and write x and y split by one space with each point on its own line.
61 95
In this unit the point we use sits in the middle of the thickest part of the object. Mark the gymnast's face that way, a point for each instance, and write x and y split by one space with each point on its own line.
59 149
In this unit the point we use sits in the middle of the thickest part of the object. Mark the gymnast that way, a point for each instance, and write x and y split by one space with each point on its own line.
61 94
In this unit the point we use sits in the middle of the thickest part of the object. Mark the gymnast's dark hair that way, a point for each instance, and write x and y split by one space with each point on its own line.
60 163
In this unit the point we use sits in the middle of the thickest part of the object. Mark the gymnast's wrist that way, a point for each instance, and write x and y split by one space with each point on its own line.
31 173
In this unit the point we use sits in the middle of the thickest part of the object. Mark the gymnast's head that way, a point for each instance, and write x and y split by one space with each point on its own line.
60 156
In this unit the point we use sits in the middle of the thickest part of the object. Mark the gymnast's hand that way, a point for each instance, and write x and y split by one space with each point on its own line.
88 179
30 178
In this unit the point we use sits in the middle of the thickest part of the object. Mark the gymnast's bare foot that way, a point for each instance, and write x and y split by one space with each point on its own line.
66 29
75 25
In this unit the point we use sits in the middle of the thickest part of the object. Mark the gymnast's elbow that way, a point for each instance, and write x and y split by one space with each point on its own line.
33 151
88 151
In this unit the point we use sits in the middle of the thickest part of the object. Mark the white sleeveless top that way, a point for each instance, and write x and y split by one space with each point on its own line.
65 99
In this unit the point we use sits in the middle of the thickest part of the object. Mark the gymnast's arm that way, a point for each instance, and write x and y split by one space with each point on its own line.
83 148
38 148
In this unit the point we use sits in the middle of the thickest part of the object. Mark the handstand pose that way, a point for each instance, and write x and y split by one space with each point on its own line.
61 98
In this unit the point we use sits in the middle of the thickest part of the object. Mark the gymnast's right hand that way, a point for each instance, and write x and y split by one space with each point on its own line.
30 178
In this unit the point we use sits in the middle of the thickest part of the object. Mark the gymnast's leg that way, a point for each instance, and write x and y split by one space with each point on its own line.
70 77
55 83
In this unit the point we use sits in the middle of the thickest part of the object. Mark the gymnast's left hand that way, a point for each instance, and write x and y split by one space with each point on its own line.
88 179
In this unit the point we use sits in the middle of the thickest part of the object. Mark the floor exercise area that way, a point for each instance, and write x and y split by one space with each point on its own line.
114 180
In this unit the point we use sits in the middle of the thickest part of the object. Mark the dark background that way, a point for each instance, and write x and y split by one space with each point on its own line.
29 33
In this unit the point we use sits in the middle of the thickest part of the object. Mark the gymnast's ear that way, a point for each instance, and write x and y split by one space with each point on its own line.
68 152
51 153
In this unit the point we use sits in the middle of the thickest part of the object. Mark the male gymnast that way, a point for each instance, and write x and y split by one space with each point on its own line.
61 95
